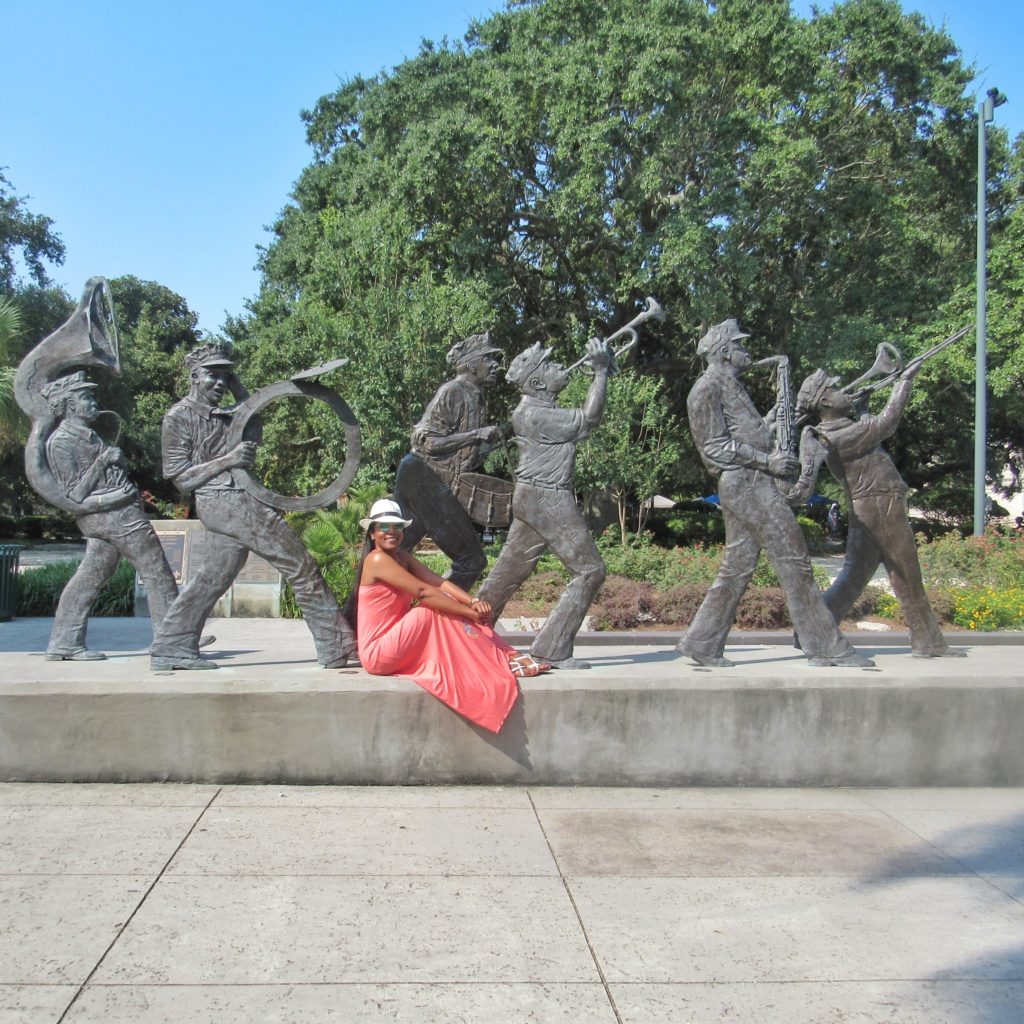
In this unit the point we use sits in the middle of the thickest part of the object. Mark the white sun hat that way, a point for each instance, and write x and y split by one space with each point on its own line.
384 511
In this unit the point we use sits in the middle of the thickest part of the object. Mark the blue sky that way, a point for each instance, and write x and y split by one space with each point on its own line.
162 136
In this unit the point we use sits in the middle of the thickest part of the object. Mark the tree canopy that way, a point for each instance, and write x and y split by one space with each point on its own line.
27 235
569 157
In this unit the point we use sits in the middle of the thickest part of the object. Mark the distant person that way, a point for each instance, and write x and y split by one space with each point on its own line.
411 622
834 522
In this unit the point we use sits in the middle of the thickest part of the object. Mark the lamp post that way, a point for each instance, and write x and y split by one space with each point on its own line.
986 114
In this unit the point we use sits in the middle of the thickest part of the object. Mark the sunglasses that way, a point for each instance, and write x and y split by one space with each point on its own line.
389 527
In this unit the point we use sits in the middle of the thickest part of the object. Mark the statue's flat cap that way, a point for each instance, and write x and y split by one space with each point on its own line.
719 335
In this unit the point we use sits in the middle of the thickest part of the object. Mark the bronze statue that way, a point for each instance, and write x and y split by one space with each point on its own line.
448 441
198 458
72 467
738 447
544 510
879 528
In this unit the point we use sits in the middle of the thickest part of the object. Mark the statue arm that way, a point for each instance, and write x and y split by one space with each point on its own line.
75 481
867 433
442 431
178 447
711 433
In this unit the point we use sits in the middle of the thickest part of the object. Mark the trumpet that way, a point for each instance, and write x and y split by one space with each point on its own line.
652 311
888 365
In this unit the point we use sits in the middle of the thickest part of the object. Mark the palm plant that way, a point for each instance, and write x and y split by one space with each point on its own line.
11 419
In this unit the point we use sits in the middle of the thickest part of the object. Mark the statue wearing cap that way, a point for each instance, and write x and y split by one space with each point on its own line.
544 511
737 447
91 473
879 525
450 439
197 458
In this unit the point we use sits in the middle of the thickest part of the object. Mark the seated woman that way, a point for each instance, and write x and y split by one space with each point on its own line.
411 622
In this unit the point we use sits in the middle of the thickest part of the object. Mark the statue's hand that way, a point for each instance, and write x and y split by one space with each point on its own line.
113 457
599 355
781 464
911 370
243 455
492 435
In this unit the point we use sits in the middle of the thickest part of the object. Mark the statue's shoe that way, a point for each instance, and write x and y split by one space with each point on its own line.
194 663
564 663
82 654
852 660
350 659
705 660
206 639
709 662
942 652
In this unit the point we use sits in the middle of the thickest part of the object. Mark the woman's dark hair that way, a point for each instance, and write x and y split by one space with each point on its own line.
350 609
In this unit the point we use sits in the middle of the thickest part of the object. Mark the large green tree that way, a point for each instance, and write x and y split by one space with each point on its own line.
25 235
569 157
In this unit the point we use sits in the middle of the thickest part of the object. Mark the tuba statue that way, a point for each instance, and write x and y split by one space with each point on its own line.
88 339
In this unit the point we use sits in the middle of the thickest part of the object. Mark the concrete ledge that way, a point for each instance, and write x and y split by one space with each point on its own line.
641 716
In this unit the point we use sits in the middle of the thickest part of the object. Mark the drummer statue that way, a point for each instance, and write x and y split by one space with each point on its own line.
449 440
199 459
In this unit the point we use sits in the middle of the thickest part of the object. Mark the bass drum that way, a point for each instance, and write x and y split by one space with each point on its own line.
487 499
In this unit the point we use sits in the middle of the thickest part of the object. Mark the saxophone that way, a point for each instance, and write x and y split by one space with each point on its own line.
812 452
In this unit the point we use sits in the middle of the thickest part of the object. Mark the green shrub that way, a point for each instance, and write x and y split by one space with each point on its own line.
763 608
993 560
39 589
814 534
985 609
622 604
689 528
678 605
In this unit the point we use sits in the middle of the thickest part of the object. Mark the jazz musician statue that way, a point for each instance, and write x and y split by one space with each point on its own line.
450 439
544 511
879 527
736 445
91 473
197 459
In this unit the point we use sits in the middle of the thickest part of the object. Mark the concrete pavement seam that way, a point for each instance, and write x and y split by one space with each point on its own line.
965 868
576 911
138 907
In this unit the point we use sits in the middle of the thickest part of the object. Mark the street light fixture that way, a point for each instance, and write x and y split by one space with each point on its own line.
986 114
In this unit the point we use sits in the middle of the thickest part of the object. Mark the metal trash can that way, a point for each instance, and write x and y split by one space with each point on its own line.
8 580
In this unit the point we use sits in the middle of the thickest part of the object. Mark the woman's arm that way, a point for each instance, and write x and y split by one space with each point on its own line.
456 593
382 568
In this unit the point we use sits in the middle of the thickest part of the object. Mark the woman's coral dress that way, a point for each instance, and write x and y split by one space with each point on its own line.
460 662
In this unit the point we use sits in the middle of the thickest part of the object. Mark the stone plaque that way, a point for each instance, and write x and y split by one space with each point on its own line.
256 592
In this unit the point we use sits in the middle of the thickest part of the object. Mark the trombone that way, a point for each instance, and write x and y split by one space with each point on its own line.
652 310
888 365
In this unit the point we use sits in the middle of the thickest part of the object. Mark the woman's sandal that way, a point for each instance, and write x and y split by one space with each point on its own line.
524 665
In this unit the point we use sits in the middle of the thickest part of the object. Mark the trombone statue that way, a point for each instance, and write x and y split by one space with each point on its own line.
879 528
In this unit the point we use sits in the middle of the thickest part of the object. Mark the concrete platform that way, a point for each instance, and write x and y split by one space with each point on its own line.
641 716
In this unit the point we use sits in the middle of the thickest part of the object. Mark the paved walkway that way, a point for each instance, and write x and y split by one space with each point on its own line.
156 904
